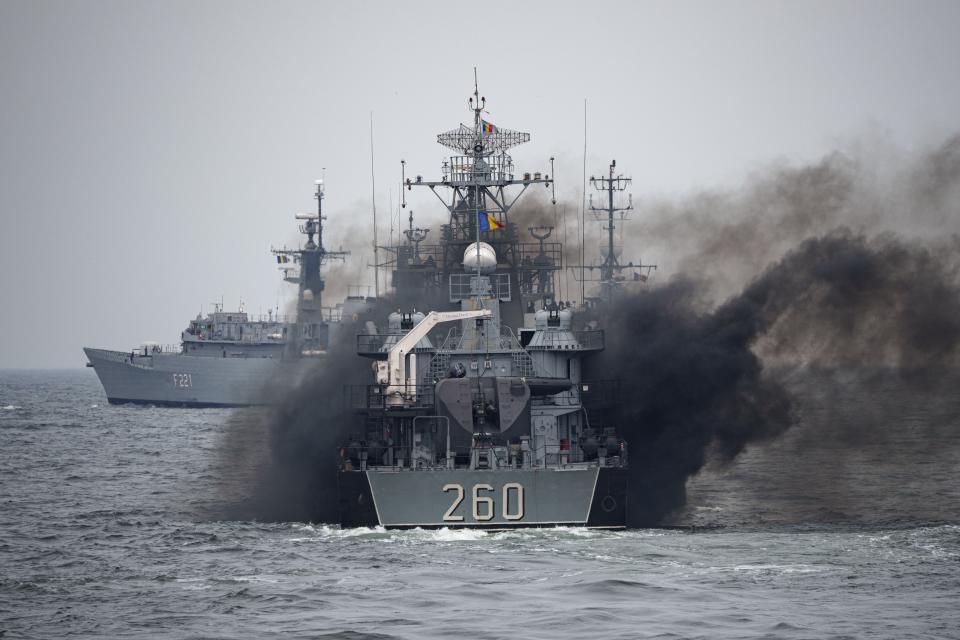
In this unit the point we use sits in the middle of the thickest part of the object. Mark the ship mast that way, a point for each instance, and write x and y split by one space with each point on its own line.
475 188
310 258
612 267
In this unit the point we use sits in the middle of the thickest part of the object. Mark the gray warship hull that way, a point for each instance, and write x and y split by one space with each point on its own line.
172 379
577 495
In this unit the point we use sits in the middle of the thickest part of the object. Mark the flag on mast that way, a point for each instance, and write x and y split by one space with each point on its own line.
488 221
486 127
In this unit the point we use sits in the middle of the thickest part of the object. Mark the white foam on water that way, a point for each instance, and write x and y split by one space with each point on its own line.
325 531
776 568
444 535
11 407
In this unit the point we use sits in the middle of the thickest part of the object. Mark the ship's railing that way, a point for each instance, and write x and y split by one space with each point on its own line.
403 256
262 318
357 456
150 349
494 168
552 454
274 318
468 285
264 336
452 340
376 396
259 338
531 259
360 291
372 344
589 340
331 314
506 341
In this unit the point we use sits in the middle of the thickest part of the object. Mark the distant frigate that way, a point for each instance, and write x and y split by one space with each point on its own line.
231 358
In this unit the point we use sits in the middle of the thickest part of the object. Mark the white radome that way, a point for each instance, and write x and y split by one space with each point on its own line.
485 257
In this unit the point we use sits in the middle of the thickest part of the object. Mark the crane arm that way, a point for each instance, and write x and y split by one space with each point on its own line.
394 375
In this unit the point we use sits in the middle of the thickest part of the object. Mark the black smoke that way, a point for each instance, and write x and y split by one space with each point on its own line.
705 380
278 463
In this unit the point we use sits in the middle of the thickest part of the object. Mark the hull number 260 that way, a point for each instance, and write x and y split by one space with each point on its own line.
484 506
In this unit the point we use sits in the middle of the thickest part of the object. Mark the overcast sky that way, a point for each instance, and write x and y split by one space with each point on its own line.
153 152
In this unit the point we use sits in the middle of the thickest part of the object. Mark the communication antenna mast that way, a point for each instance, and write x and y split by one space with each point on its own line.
373 199
583 204
611 185
612 267
553 202
415 236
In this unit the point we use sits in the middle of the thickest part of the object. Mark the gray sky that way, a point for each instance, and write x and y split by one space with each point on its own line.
153 152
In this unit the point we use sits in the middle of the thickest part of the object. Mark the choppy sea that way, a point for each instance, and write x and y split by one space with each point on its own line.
848 526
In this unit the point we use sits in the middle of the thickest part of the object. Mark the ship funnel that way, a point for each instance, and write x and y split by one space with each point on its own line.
480 255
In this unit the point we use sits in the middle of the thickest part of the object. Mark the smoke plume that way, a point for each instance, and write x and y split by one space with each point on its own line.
278 463
853 281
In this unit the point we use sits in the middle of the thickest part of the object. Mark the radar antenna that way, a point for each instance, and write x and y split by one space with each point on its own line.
482 138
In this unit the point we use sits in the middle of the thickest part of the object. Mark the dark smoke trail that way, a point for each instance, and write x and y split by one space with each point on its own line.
690 380
696 385
278 463
847 268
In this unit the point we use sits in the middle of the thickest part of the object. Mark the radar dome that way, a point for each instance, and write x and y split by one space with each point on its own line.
483 257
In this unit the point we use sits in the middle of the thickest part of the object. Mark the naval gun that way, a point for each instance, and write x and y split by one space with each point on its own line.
401 386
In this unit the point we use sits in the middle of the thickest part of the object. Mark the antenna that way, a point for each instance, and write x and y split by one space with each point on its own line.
611 266
373 199
319 196
610 185
553 201
583 204
553 187
415 236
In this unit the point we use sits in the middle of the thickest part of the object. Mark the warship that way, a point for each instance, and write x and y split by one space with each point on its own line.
232 358
477 413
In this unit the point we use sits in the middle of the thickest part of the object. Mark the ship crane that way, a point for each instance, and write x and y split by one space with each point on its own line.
400 360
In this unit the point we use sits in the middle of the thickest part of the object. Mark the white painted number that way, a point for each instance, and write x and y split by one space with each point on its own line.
518 515
182 380
478 500
448 516
483 506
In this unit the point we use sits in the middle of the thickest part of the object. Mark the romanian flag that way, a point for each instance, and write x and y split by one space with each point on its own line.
488 222
486 127
283 259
